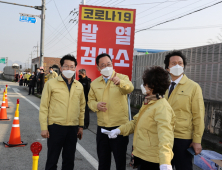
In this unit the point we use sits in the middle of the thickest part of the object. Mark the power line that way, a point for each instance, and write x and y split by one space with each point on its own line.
156 11
186 28
61 18
49 2
151 3
56 30
61 39
119 3
183 13
152 7
179 17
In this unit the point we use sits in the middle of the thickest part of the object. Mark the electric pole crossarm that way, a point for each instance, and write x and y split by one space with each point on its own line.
17 4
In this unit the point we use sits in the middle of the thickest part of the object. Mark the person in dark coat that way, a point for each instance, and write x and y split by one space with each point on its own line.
41 80
21 80
38 80
85 81
32 81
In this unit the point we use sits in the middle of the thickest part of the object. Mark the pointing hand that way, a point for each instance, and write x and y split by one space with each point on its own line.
115 79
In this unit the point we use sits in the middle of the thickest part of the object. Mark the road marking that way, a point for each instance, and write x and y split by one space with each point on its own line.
2 89
15 89
81 150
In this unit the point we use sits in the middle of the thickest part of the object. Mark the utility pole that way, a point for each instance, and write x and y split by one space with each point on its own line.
37 50
83 2
6 61
31 61
42 34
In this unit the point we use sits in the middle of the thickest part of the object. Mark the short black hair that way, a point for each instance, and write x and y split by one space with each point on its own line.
38 68
174 53
68 57
157 79
101 56
50 67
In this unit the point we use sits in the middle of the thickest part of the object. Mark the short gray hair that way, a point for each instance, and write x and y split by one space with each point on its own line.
83 71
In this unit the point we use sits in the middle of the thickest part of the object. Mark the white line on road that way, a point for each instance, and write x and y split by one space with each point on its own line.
15 89
81 150
88 157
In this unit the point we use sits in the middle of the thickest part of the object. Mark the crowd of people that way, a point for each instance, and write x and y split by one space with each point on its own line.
35 79
170 121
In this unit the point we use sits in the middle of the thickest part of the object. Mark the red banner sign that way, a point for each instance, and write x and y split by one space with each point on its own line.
105 30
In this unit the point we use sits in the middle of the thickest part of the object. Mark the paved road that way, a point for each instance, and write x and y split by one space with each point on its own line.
20 158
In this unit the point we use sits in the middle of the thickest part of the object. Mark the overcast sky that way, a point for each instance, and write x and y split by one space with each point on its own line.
17 39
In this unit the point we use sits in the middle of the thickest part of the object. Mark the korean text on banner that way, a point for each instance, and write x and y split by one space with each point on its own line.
105 30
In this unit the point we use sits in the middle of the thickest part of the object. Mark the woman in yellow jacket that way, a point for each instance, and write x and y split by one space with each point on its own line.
154 124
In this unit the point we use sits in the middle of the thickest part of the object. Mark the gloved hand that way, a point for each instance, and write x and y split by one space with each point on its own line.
165 167
113 134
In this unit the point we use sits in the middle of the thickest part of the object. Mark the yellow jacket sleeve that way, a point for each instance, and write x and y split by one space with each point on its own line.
44 107
82 109
55 75
126 85
92 101
129 127
164 117
198 111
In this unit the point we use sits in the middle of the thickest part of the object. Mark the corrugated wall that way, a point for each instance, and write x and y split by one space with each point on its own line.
203 66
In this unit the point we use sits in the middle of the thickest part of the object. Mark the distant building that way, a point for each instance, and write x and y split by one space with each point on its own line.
139 51
48 62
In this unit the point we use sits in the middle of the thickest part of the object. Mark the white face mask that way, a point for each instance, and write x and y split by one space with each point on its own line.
143 89
68 73
50 71
108 71
176 70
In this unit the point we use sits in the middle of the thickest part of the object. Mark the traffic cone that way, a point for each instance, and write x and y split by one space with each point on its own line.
6 98
15 137
3 112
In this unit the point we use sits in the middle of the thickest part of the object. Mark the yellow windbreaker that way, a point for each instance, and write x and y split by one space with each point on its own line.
60 106
51 75
115 97
188 104
153 132
28 76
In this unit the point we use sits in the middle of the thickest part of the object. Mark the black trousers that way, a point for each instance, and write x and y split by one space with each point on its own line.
38 87
41 87
61 138
182 159
105 146
86 119
31 89
145 165
25 81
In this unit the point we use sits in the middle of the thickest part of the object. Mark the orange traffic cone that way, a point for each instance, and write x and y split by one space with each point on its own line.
3 112
6 98
15 137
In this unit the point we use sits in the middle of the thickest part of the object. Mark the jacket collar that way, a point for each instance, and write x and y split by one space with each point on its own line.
183 80
61 79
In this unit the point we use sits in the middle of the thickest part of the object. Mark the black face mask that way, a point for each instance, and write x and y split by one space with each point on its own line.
80 76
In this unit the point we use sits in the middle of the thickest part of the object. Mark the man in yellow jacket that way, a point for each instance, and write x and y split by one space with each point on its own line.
52 74
108 98
61 115
185 97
